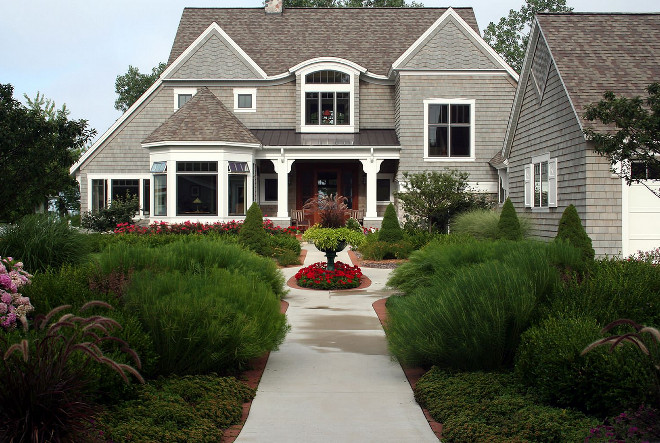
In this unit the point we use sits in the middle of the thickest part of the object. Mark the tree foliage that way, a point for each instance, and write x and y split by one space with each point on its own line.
351 4
36 153
509 226
130 86
432 198
571 229
510 35
637 137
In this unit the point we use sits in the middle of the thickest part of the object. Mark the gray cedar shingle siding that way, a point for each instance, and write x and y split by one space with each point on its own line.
215 59
450 47
493 97
371 37
376 106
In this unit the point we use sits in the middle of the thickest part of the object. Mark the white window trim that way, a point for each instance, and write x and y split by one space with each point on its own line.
449 101
182 91
530 179
331 87
109 177
262 188
391 178
245 91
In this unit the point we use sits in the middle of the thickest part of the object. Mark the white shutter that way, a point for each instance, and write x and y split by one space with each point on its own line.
552 183
529 186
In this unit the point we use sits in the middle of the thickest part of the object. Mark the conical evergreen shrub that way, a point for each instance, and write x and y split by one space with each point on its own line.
571 229
508 227
390 230
252 234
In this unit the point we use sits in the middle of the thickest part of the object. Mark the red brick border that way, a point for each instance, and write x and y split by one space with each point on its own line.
412 374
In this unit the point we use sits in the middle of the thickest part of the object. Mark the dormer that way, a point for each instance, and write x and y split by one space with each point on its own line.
328 98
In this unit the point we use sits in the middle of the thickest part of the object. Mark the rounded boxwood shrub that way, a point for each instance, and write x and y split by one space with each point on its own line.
390 230
508 227
252 234
571 229
601 383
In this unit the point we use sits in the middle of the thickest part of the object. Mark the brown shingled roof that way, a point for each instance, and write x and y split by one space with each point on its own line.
372 37
595 53
203 118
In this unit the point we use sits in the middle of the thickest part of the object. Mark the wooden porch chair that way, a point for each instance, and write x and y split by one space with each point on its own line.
298 219
358 214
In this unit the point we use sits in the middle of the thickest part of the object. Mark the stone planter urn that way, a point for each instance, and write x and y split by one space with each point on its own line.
331 254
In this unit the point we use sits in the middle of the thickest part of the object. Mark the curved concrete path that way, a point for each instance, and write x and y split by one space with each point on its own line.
333 380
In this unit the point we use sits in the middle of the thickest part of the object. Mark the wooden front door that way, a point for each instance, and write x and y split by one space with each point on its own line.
326 179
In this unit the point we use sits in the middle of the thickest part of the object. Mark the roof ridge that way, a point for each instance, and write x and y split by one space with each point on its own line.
596 13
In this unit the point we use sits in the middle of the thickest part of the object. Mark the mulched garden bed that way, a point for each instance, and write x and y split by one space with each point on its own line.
380 264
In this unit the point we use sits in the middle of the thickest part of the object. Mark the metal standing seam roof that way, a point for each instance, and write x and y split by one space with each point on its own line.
598 52
289 137
202 118
372 37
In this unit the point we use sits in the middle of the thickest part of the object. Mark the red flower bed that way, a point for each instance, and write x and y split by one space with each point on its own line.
189 227
316 276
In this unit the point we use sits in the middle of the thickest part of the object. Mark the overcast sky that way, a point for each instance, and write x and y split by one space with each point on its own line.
73 50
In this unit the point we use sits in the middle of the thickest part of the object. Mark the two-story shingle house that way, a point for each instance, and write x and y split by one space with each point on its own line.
547 163
274 106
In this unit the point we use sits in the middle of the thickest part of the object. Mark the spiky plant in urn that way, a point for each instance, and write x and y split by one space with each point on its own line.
330 235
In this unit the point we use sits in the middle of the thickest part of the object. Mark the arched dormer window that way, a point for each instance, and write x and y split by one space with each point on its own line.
328 97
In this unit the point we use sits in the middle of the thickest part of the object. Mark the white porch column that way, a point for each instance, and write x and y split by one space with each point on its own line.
371 167
282 168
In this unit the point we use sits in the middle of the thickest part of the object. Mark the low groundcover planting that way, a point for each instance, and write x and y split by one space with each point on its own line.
317 276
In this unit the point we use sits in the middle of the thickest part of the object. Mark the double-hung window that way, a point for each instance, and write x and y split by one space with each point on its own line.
327 101
541 182
449 129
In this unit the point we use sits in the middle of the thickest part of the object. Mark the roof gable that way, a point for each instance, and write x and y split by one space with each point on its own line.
448 45
372 37
595 53
203 119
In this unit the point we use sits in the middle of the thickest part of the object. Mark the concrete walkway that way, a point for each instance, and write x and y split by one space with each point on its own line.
333 380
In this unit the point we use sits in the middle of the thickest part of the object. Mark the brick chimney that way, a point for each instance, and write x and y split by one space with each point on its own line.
274 6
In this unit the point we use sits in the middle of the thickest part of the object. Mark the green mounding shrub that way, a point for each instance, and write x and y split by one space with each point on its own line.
469 312
42 241
286 242
380 250
192 254
390 230
599 382
492 407
121 210
252 234
286 257
613 289
187 409
571 229
353 225
508 227
482 224
418 239
212 321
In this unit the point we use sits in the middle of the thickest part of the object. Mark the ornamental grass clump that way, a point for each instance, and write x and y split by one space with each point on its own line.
332 209
317 276
211 320
42 241
47 374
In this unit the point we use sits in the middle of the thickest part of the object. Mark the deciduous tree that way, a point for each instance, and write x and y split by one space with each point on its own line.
636 137
130 86
36 153
510 35
430 199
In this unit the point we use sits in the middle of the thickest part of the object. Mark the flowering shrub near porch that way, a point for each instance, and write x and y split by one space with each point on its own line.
316 276
188 227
